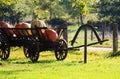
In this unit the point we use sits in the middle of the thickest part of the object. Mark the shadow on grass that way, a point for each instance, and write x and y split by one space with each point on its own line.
62 62
29 62
47 61
74 63
8 72
114 54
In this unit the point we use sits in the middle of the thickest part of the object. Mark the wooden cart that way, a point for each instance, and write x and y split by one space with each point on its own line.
32 44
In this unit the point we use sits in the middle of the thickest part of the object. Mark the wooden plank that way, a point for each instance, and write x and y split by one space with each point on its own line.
76 34
92 35
71 48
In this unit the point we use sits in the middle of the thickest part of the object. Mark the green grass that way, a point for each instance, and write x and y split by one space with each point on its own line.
99 66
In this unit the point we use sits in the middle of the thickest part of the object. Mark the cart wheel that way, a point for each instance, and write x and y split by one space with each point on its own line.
25 49
5 52
59 53
33 54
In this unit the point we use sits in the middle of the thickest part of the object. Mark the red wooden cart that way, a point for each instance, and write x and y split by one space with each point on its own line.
32 44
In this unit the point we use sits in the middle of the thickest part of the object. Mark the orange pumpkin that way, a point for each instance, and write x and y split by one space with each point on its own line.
26 25
6 25
22 32
18 32
50 34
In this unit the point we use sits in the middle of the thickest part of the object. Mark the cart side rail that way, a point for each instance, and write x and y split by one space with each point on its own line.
23 30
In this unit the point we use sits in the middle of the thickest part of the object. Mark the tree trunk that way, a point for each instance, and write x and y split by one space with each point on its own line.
81 19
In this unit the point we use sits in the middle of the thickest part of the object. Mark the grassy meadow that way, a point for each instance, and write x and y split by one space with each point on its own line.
99 64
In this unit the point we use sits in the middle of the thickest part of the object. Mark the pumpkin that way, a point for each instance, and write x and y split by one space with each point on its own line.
38 23
16 31
50 34
6 25
22 32
26 32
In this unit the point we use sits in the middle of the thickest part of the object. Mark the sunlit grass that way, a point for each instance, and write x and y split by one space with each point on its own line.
98 66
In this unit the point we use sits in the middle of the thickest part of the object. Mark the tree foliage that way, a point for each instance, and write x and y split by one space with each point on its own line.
79 7
110 10
17 10
13 10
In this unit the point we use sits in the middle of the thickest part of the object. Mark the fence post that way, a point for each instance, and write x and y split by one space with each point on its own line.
65 33
115 37
85 44
103 30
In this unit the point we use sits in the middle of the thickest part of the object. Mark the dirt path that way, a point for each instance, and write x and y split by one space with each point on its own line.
97 48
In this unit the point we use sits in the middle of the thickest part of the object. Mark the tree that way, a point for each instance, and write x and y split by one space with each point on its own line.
79 9
22 9
17 10
46 9
109 10
13 10
6 9
93 13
